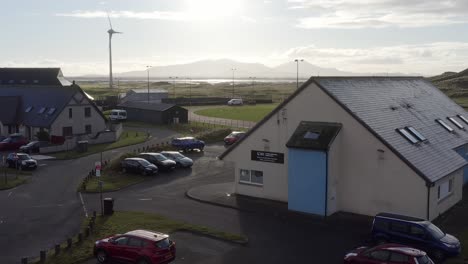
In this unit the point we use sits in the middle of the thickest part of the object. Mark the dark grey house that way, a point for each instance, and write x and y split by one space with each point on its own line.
41 99
155 113
142 95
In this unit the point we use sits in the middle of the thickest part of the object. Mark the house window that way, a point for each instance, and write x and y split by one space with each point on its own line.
88 129
67 131
87 112
51 111
443 124
455 122
70 113
416 133
41 110
463 118
28 109
445 189
407 135
251 176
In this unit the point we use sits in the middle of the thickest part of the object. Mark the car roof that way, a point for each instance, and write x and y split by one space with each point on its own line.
399 217
137 159
185 138
237 132
150 235
413 252
150 153
170 152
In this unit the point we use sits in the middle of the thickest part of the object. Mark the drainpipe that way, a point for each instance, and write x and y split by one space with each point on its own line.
326 183
429 185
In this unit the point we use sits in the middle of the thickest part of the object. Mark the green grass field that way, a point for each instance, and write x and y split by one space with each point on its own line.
113 181
253 113
121 222
12 181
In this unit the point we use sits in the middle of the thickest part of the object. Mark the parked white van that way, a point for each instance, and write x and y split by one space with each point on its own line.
235 102
118 114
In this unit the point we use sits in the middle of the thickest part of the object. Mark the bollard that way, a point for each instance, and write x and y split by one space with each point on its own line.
24 260
42 256
80 237
69 243
57 249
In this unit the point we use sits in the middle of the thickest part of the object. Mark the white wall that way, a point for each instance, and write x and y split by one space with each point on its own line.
439 206
366 181
78 121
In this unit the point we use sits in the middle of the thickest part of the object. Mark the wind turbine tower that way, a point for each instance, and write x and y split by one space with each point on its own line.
111 31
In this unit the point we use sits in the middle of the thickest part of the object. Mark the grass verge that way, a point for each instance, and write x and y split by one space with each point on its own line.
126 139
12 182
121 222
253 113
113 181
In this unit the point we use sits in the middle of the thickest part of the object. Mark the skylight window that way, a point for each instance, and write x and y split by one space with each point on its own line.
51 111
42 110
455 122
442 123
312 135
416 133
28 109
463 118
407 135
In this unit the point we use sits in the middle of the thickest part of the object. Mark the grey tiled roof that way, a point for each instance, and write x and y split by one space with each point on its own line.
8 112
32 76
384 104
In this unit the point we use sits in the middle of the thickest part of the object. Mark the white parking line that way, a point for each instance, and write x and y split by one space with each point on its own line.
145 199
84 207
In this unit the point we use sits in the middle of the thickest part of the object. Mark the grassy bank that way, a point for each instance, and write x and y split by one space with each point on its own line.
114 181
121 222
12 181
126 139
252 113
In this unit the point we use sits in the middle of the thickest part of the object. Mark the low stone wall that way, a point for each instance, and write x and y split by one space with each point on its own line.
67 145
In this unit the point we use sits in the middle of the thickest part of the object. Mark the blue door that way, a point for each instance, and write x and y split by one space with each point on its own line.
463 151
307 180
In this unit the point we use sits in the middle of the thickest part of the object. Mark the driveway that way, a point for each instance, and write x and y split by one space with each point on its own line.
47 209
272 239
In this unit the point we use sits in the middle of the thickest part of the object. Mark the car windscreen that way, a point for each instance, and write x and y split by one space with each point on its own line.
7 140
423 260
144 162
160 157
434 231
30 144
24 157
164 243
177 155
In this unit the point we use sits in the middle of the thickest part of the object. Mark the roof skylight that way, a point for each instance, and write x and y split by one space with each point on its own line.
442 123
463 118
42 110
51 111
407 135
416 133
455 122
28 109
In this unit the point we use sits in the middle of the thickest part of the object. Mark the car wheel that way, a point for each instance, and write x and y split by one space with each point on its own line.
438 255
101 256
143 261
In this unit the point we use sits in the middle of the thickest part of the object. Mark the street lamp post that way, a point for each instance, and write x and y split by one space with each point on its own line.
253 87
297 71
233 85
148 70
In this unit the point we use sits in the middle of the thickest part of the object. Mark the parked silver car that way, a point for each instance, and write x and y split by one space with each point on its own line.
181 160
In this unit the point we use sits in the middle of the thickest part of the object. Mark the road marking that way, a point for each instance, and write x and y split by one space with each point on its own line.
40 165
145 199
84 207
10 194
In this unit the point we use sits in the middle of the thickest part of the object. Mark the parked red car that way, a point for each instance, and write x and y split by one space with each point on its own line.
387 254
13 142
233 137
138 246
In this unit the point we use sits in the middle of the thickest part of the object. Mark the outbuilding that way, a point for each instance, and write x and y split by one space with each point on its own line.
155 113
358 144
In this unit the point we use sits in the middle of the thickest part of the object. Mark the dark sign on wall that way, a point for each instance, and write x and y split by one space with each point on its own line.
267 156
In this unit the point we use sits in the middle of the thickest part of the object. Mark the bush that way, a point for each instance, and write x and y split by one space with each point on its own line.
215 135
43 136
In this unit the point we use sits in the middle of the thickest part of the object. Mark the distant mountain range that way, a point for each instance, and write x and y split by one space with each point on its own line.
453 81
222 69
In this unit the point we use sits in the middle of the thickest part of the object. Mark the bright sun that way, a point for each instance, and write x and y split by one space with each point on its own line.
212 9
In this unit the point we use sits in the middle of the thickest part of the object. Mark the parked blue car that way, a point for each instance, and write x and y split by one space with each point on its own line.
415 232
188 143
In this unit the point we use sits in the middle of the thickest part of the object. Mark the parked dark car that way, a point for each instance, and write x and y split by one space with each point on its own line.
21 161
181 160
138 246
233 137
414 232
138 165
188 143
13 142
33 146
159 160
387 254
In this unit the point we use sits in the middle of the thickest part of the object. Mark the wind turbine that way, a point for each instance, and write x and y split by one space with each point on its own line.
111 31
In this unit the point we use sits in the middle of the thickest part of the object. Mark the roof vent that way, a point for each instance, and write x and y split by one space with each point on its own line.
393 108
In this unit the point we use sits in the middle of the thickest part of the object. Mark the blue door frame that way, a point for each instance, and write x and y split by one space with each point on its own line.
307 181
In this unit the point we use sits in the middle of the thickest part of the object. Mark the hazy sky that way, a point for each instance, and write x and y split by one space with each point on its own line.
408 36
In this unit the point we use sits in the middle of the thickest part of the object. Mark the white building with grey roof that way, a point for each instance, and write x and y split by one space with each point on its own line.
358 144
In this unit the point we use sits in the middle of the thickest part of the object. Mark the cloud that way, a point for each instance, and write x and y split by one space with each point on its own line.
427 59
380 13
159 15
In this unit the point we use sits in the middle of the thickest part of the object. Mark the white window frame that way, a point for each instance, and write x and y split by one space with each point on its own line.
445 189
250 173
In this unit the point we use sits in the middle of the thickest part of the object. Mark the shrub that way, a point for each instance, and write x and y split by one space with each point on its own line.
43 135
215 135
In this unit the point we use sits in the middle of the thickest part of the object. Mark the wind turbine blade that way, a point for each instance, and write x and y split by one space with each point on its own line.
108 17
